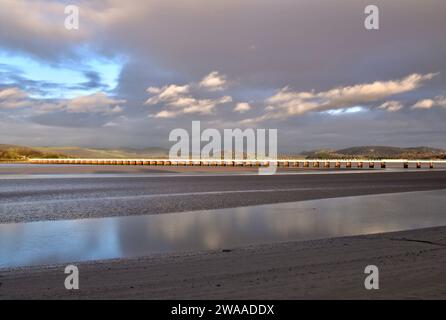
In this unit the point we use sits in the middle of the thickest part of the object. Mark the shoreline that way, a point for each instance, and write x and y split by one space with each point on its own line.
412 265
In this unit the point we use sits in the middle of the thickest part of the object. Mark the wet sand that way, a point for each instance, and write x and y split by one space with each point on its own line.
412 265
28 198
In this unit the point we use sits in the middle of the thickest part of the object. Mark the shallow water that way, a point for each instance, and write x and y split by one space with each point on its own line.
51 242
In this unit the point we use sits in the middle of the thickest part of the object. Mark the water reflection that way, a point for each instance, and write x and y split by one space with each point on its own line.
79 240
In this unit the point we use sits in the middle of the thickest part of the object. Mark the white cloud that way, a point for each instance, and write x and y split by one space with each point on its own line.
110 124
286 103
214 81
242 107
164 114
170 93
439 101
192 105
12 98
95 103
391 106
99 103
9 93
177 100
205 106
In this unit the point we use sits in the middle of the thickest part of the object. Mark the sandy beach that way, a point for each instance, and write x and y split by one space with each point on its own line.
412 265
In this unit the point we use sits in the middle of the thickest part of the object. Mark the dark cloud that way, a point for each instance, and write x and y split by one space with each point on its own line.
94 81
260 47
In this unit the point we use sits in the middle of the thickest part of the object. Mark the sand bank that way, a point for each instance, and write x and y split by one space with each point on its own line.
412 265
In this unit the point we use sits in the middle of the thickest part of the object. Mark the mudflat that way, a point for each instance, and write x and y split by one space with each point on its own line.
57 197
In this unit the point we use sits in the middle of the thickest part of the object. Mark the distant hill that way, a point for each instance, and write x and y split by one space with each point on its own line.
98 153
378 152
14 152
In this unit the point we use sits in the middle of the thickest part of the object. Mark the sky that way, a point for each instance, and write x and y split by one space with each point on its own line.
135 70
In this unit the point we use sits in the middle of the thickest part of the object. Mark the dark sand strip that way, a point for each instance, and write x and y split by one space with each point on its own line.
28 200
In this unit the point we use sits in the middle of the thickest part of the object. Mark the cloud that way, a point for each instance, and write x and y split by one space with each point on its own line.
286 103
39 27
213 82
391 106
167 94
439 101
188 105
95 103
94 80
182 99
242 107
184 40
110 124
12 98
165 114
